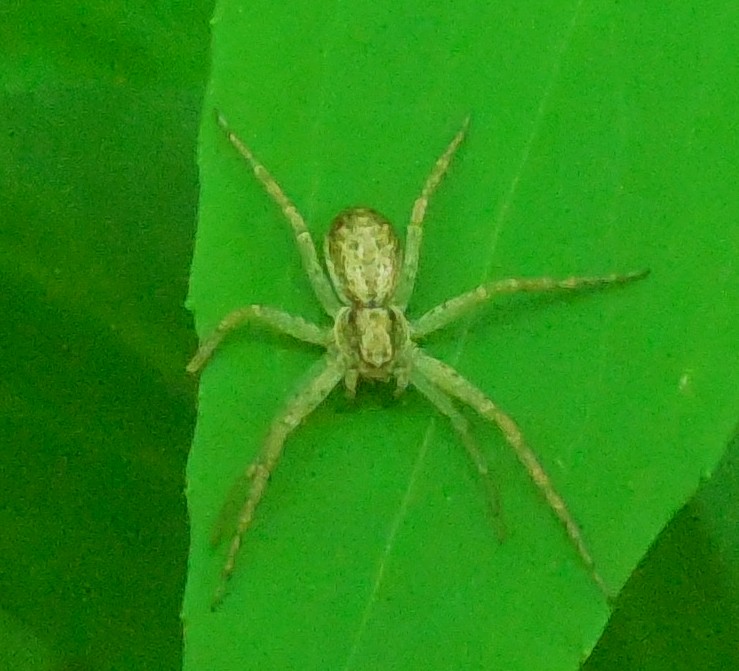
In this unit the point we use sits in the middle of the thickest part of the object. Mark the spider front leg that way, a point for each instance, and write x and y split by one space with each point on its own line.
316 275
414 233
457 307
280 321
453 384
324 377
444 405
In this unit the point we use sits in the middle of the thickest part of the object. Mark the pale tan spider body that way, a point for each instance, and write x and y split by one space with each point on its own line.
371 282
363 257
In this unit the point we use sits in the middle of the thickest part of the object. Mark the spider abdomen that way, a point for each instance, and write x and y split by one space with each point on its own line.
363 257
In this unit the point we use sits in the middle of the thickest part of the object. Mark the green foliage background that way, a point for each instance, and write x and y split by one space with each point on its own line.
370 550
629 127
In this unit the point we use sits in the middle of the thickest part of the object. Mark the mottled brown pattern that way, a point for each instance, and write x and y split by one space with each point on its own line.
371 338
363 256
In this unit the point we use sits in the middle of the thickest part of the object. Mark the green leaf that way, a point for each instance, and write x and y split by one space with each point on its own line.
589 152
98 191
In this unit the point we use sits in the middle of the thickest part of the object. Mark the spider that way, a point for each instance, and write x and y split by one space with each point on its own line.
370 281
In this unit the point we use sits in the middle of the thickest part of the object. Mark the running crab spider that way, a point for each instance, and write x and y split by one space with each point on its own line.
370 281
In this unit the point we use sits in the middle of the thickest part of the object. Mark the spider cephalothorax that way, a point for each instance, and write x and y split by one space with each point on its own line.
371 281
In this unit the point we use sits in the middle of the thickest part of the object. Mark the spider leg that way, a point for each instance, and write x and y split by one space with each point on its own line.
325 376
280 321
445 406
459 306
452 383
316 275
414 234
